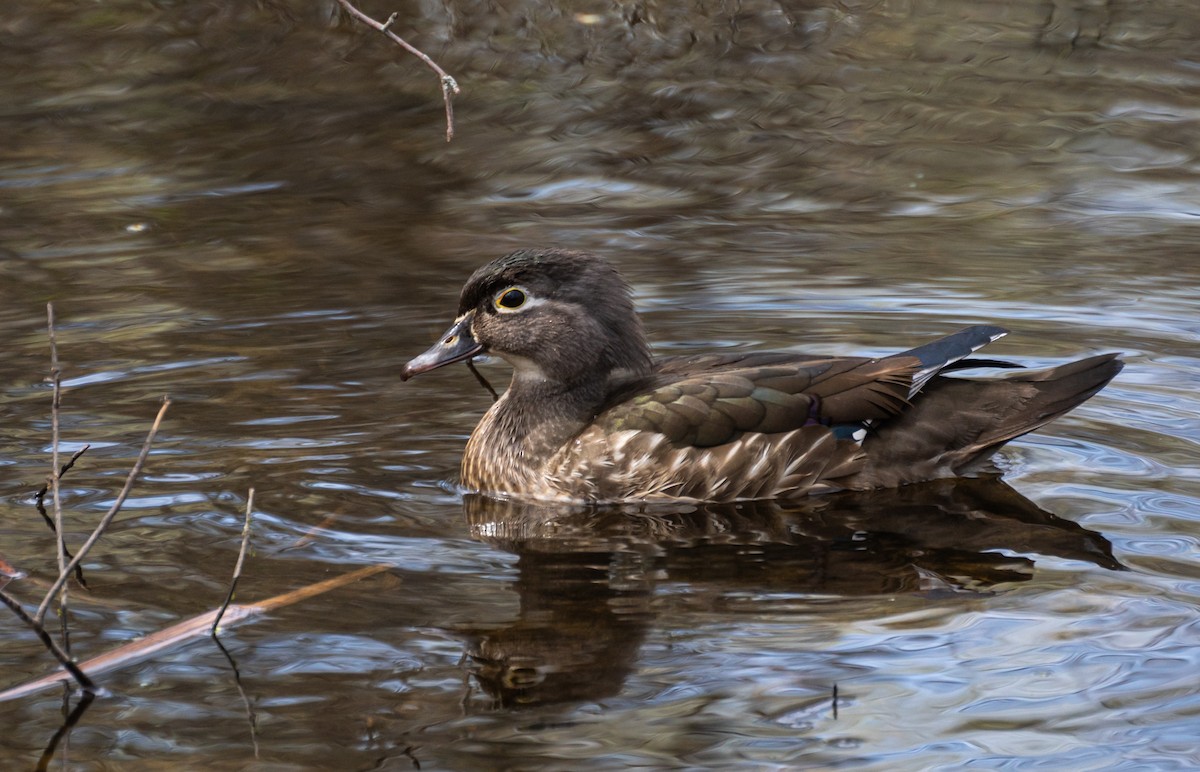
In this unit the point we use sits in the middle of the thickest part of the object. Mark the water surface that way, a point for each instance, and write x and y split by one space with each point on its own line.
252 208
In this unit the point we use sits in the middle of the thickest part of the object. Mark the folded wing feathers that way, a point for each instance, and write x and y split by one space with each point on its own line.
936 355
762 430
744 433
867 389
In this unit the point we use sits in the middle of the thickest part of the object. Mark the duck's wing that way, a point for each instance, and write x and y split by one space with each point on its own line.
718 405
958 423
711 399
951 352
743 426
745 433
942 355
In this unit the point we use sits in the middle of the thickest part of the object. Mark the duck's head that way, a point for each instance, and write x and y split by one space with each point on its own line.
556 315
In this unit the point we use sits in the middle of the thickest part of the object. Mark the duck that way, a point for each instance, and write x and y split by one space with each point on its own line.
592 416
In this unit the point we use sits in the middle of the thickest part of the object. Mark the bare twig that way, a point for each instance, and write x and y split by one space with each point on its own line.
35 624
108 516
40 501
40 496
449 85
237 569
60 536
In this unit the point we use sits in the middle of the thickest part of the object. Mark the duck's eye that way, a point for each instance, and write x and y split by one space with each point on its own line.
510 299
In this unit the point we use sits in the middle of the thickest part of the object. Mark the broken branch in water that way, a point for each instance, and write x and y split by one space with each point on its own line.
189 629
81 677
108 516
237 569
449 85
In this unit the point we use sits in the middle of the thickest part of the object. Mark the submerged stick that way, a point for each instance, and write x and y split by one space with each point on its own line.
237 569
108 516
449 85
81 677
191 628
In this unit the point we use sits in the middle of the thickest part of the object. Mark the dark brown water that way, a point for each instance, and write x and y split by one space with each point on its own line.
251 207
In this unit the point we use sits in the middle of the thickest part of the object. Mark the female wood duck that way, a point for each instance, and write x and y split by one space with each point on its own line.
591 416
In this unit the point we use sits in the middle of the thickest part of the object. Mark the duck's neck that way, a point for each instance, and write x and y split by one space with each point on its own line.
522 431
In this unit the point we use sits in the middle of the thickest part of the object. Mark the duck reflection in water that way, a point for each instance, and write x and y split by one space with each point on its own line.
694 458
588 575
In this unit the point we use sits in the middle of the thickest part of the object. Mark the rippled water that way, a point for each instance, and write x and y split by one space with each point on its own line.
253 210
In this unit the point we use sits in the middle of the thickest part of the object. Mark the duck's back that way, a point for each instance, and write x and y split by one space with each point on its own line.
719 428
778 425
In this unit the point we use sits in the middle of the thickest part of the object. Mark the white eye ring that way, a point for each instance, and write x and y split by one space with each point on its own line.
512 299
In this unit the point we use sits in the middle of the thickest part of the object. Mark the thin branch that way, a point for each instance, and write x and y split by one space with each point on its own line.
40 502
40 496
449 84
64 631
108 516
237 569
34 624
60 536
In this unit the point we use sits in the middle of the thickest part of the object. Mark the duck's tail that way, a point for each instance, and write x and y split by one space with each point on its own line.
956 424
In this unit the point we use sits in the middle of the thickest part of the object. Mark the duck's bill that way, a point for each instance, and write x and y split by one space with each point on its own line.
455 345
